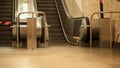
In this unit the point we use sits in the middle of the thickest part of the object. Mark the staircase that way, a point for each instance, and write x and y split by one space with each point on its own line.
55 31
5 22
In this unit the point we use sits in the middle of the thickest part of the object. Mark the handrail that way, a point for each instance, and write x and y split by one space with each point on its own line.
63 27
18 20
105 12
62 24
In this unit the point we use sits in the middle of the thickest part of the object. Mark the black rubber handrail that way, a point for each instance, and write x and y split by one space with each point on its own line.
67 18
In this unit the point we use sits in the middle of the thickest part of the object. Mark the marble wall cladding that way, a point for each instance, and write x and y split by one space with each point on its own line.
73 8
115 6
90 6
117 29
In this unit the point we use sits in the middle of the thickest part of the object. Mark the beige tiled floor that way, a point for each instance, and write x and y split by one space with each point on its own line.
60 56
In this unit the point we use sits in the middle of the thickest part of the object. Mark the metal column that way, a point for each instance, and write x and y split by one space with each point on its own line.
31 33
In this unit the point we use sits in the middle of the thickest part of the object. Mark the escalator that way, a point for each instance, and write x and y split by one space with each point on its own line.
73 22
55 31
6 8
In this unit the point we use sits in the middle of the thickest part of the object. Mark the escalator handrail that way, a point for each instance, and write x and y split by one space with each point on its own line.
62 24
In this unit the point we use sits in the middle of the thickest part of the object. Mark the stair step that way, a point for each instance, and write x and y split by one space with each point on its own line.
52 21
55 30
55 26
45 2
5 16
5 3
51 13
48 9
5 7
57 41
5 28
6 31
52 17
5 43
55 21
5 19
55 35
5 38
9 15
46 6
5 11
5 34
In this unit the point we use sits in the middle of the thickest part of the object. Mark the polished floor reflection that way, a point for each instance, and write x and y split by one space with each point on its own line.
60 56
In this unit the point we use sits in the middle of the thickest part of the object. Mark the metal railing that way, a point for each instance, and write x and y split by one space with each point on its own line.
18 26
91 25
